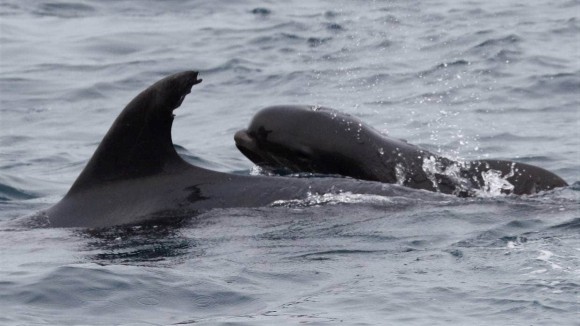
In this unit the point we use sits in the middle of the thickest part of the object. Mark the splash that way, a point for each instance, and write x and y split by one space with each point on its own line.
400 174
494 184
258 170
358 133
315 199
434 169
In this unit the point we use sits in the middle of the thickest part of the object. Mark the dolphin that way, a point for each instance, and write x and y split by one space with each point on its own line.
316 139
136 175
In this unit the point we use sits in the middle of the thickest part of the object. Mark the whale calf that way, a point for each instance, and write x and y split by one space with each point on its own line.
323 140
136 175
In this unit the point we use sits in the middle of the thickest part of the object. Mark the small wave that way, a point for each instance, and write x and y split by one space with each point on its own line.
261 11
237 65
9 9
14 187
502 41
317 41
141 244
8 193
548 62
456 63
572 27
328 255
64 10
335 27
286 37
116 45
518 110
574 224
506 56
507 136
561 83
499 50
493 238
444 67
331 14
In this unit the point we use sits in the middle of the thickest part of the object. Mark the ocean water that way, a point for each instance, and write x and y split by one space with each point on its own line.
472 79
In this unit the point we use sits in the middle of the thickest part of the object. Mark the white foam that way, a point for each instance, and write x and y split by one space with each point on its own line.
332 199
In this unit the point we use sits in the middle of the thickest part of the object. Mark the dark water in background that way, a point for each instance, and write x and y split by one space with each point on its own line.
472 80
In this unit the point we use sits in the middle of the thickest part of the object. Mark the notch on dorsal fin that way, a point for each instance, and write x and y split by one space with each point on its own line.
139 142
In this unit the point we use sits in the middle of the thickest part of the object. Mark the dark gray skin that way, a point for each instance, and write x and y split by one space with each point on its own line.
135 175
323 140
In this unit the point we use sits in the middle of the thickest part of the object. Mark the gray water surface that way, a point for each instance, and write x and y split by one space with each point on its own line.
476 79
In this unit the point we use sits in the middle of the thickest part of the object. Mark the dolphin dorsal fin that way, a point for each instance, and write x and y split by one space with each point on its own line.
139 142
